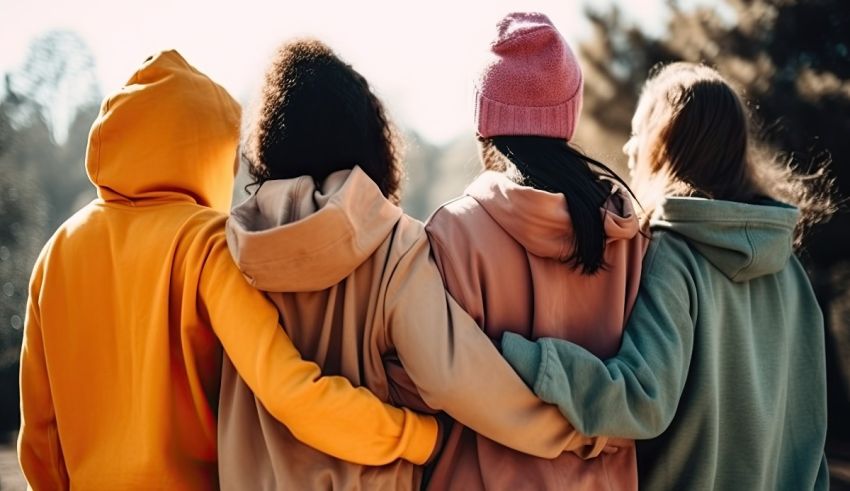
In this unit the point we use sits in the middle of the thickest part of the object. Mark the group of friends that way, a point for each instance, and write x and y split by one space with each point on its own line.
552 328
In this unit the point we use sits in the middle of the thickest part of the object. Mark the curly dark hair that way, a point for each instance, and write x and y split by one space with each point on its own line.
317 115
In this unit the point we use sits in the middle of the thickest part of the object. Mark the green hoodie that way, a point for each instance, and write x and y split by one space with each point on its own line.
721 364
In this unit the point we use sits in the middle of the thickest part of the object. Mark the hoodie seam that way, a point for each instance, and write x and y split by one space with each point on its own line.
357 246
543 378
448 259
445 205
752 257
498 224
652 253
291 217
391 290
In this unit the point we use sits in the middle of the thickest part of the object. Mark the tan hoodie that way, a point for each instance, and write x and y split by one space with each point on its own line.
369 305
500 249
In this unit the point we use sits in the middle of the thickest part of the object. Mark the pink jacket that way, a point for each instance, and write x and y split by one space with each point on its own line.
500 249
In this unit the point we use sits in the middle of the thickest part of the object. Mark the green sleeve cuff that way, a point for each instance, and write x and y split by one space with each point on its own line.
523 355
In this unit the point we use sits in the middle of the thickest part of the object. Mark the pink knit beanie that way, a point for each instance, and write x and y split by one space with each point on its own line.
532 83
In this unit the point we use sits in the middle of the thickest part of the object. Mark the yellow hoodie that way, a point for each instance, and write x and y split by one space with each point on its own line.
133 298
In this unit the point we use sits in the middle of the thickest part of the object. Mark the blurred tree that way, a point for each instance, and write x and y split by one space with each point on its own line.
23 224
436 174
56 79
46 110
419 171
52 100
791 61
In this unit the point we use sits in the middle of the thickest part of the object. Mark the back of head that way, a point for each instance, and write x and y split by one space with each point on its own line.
692 137
169 133
696 133
316 116
529 98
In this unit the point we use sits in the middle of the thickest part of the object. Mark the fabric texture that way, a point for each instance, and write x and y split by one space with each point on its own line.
133 298
501 249
355 280
722 365
530 83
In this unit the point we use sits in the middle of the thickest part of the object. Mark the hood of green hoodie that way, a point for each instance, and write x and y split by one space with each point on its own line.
744 241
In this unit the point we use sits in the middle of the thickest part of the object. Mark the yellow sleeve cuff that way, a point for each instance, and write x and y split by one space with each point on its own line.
423 439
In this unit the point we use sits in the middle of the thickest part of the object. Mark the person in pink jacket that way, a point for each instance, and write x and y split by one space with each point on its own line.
545 237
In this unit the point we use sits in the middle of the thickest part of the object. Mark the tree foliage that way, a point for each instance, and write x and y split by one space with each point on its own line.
789 58
42 178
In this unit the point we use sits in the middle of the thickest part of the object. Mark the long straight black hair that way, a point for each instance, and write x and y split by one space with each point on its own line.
553 165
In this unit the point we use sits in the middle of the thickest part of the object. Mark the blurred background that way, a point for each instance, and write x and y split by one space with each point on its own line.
790 59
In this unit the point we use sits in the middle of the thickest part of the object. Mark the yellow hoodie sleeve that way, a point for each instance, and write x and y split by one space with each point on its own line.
457 368
39 449
326 413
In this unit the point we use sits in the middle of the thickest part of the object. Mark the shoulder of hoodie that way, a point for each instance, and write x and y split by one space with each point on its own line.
189 221
671 257
408 236
454 208
673 261
457 220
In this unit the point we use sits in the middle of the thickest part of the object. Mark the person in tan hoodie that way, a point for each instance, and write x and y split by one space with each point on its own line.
544 242
357 287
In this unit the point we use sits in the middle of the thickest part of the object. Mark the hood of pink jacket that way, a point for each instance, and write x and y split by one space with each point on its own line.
294 235
540 220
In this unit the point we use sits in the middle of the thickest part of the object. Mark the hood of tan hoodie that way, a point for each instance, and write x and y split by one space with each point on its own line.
169 134
296 235
539 220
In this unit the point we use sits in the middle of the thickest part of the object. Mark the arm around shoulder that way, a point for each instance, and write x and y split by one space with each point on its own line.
634 394
326 413
457 369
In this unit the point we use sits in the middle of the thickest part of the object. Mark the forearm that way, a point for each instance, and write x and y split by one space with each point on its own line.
634 394
40 454
610 398
479 389
457 369
329 414
494 402
326 413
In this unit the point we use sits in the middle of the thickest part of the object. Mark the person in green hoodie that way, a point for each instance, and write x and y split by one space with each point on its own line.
722 366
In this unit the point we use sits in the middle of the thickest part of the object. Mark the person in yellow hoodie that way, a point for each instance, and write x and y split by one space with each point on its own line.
134 297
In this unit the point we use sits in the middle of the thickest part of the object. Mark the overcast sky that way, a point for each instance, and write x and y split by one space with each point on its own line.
420 56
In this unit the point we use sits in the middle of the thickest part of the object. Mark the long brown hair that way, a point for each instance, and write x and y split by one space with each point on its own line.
317 115
692 137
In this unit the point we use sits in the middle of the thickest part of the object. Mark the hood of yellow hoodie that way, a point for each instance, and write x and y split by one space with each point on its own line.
169 134
297 235
540 220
